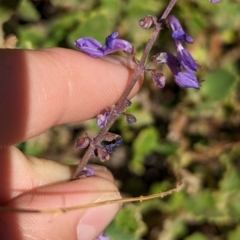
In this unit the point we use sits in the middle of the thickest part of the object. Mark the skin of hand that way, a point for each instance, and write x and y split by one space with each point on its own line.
38 90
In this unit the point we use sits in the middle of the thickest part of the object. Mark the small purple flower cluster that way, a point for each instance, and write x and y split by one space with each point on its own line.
182 66
93 48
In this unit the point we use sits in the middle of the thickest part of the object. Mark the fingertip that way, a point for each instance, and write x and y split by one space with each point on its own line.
55 86
85 223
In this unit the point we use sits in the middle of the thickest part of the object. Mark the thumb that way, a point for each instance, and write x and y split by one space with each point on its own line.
84 224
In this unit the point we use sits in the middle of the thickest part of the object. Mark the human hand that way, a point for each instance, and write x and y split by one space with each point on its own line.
38 90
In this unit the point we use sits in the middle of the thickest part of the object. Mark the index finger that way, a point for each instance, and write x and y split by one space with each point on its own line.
40 89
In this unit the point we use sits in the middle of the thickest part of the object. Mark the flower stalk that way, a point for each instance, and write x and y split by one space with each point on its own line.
116 110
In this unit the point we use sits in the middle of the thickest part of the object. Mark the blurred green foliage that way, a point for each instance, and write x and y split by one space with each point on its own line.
187 135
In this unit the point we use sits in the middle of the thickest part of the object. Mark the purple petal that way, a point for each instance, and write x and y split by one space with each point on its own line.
178 32
172 62
120 44
88 171
102 118
102 237
186 80
181 36
185 59
90 46
174 23
110 40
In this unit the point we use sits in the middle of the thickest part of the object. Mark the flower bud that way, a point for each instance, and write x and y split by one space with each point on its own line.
103 154
146 22
130 118
109 137
86 172
102 118
127 103
82 142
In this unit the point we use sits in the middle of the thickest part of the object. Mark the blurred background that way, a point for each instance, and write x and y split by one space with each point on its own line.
181 134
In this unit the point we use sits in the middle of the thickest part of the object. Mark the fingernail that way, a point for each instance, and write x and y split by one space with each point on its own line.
124 61
96 219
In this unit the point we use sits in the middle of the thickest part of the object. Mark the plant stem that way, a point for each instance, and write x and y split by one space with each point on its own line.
117 109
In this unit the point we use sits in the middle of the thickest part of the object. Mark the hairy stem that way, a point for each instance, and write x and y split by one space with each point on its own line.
117 109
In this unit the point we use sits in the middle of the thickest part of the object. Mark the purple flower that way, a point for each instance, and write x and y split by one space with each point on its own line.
180 36
185 58
178 32
88 171
102 237
102 118
95 49
184 79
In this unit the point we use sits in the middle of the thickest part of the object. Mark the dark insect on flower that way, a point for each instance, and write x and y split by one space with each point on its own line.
110 147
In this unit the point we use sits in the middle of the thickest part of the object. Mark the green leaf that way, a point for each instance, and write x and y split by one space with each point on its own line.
27 11
218 85
31 36
231 180
127 224
196 236
201 204
146 141
97 26
234 235
174 229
